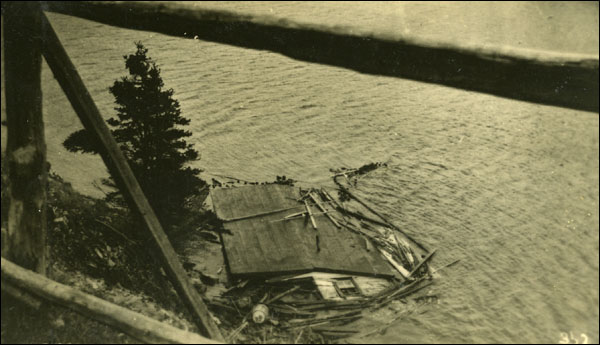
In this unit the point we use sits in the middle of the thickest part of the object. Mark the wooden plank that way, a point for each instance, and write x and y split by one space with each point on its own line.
322 320
139 326
371 286
429 256
563 79
299 215
293 215
379 215
257 215
281 295
337 225
338 290
331 199
312 219
435 270
25 147
405 273
71 83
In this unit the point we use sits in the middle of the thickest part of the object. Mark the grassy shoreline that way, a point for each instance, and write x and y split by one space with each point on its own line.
101 250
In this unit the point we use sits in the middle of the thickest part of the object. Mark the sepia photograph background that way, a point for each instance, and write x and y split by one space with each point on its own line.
509 187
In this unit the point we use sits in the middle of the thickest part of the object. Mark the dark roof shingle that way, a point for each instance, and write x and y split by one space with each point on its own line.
266 245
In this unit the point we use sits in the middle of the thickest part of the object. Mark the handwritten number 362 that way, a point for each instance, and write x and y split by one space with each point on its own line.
568 338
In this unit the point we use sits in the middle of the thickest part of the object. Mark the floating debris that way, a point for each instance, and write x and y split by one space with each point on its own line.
299 259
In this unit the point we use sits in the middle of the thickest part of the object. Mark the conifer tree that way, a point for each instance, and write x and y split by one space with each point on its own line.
148 129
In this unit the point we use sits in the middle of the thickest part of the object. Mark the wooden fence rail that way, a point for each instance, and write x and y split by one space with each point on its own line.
139 326
561 79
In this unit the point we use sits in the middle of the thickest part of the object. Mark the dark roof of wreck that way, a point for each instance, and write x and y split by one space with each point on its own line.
263 244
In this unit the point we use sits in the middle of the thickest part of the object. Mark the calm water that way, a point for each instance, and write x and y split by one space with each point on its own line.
508 187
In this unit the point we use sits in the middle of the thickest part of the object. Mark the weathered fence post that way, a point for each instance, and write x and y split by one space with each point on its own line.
25 147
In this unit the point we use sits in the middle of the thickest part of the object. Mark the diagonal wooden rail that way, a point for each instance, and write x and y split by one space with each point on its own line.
561 79
70 81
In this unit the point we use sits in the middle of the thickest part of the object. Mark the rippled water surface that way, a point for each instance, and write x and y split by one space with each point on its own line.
508 187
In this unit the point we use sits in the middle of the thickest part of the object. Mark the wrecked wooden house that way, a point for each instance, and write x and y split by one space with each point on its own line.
283 233
301 258
272 231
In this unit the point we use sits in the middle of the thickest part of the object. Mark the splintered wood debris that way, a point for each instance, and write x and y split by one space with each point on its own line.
300 259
